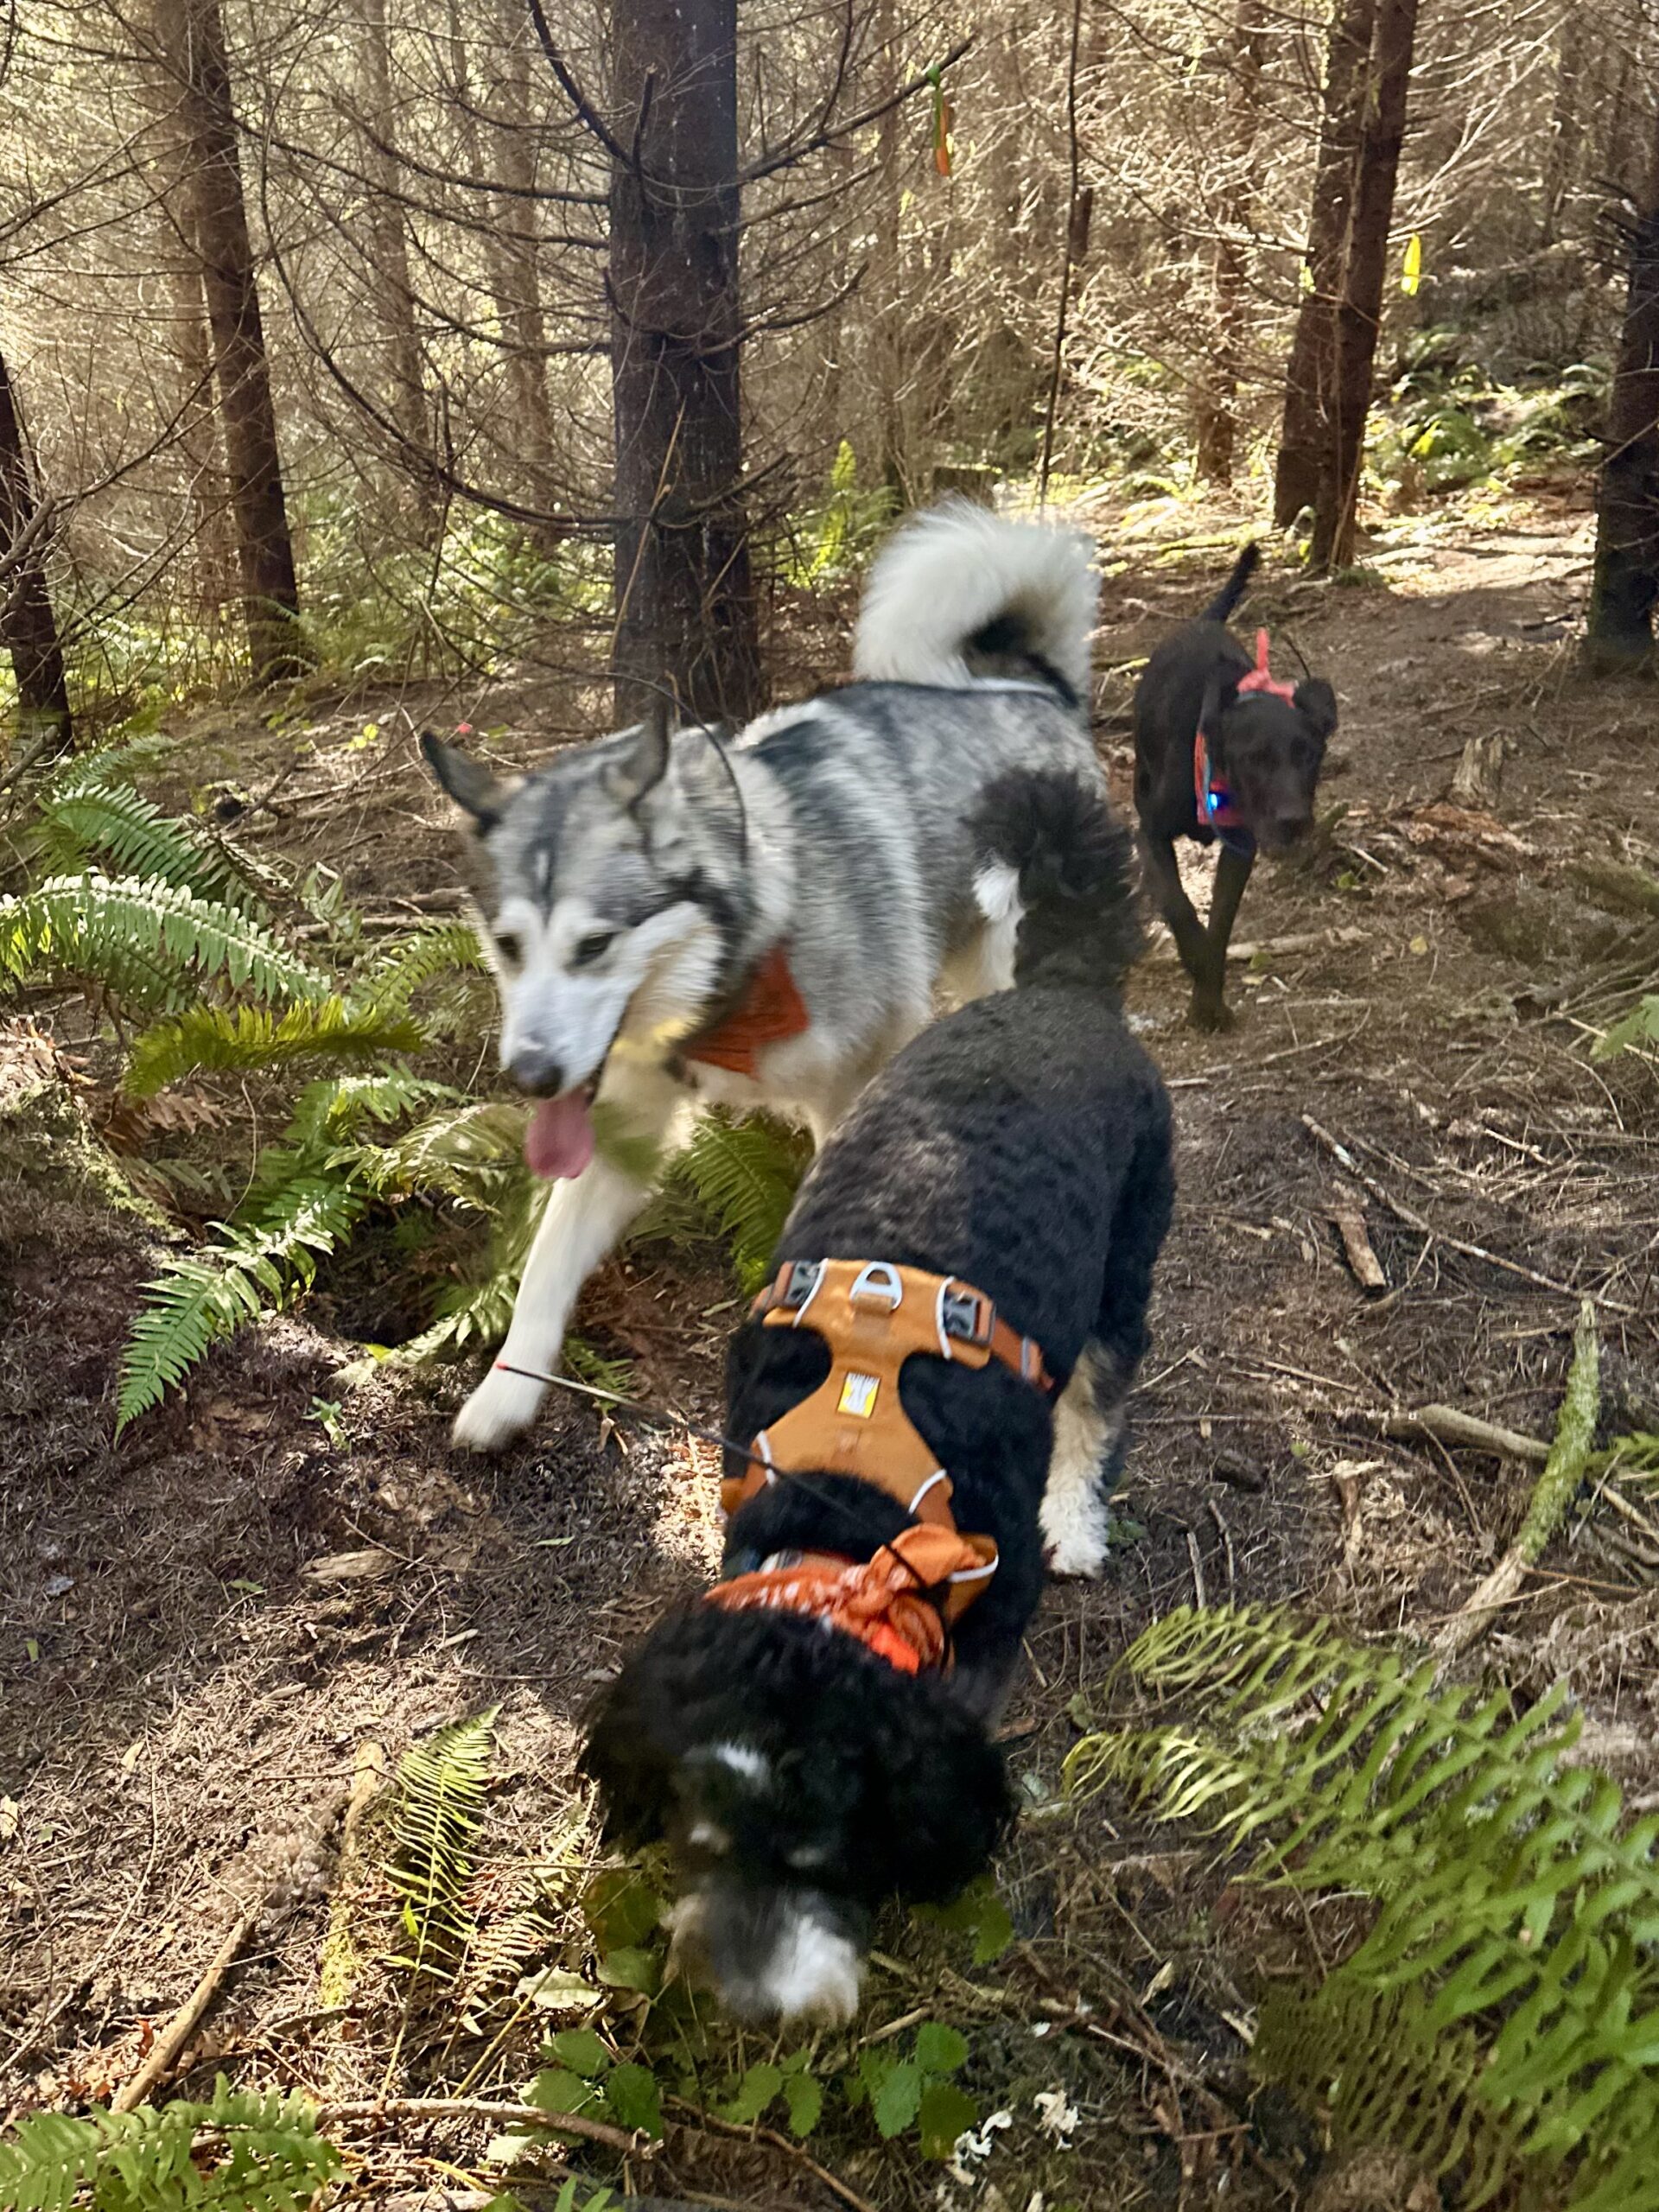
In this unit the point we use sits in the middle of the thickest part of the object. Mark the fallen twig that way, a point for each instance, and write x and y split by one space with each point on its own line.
752 2132
182 2026
412 2111
1450 1426
1350 1219
1413 1220
1575 1431
1274 947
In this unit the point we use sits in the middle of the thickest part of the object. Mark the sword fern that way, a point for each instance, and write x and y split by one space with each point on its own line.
152 942
1500 2015
436 1814
239 2152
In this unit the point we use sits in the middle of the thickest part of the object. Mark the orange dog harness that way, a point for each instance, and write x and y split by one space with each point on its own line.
874 1316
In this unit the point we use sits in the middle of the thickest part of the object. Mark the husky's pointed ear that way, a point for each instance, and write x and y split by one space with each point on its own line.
640 771
467 782
1317 703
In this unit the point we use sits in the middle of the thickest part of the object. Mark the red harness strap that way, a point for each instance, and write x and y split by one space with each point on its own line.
770 1011
1215 802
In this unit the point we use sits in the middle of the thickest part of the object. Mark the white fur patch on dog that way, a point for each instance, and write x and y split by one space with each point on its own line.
744 1761
813 1973
996 892
945 575
1074 1516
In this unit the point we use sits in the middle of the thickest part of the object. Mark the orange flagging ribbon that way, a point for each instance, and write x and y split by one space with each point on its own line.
881 1603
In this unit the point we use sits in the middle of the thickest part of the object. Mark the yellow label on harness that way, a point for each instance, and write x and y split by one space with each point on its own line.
858 1395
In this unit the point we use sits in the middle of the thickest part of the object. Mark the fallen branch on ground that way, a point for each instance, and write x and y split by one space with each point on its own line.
1274 948
413 2111
1350 1218
179 2030
750 2133
1564 1470
1413 1220
1449 1425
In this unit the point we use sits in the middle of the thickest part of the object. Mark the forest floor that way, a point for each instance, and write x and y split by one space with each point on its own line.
202 1627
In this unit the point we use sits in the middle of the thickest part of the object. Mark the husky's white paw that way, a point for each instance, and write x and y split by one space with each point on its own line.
502 1408
1076 1525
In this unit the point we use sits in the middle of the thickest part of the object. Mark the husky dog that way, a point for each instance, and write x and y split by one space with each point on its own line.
763 923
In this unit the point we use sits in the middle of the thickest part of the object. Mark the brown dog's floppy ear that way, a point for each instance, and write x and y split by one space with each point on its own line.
632 778
1317 703
467 782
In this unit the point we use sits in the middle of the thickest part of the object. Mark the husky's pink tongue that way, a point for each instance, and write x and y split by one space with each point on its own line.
559 1141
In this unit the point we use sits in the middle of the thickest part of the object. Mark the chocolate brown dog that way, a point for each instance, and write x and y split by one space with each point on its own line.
1221 750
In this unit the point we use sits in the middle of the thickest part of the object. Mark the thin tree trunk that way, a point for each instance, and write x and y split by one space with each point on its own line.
685 604
1307 375
1567 124
515 272
1217 437
195 43
28 629
1359 307
404 378
883 286
1625 585
198 441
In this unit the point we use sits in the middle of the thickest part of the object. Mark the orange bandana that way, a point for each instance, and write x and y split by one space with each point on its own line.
770 1011
880 1603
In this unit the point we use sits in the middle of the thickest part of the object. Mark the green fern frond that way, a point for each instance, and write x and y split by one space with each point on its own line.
113 768
436 1818
745 1174
212 1039
1505 2000
143 842
201 1297
474 1156
415 960
333 1108
240 2152
116 928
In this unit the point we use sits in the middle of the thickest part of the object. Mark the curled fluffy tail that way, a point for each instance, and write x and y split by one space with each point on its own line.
1236 586
1054 863
960 592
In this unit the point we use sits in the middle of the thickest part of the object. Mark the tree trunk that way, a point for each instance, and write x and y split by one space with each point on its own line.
883 286
516 273
199 440
685 606
195 44
28 629
1218 428
389 245
1307 375
1561 156
1625 585
1359 304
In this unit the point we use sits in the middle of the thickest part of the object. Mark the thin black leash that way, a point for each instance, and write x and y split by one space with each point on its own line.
645 1414
650 1418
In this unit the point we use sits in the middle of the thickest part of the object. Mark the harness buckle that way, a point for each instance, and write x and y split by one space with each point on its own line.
967 1315
879 1281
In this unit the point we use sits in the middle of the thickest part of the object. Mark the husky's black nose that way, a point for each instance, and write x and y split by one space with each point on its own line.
541 1078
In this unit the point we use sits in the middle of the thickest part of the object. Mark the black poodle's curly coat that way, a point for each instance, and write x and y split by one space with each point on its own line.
1022 1145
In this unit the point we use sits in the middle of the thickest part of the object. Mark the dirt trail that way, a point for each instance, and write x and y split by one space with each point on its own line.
199 1627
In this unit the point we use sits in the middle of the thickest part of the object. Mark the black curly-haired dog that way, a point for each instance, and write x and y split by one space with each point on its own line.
1023 1145
1251 786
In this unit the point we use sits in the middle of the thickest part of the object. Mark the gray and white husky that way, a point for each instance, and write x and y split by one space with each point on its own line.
634 890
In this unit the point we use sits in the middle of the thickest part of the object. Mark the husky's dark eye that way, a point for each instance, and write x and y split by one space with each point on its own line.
510 948
592 948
